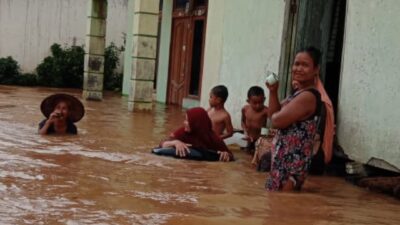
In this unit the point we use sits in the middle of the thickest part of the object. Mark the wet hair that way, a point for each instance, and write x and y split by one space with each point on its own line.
220 91
255 91
314 53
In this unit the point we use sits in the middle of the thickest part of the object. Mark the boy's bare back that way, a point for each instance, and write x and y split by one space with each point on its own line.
221 121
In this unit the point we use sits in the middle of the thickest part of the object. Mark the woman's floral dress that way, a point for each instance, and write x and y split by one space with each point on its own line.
292 150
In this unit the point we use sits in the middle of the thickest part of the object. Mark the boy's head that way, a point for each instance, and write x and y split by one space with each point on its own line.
218 95
256 98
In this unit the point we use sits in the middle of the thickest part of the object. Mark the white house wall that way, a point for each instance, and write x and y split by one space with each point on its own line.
29 27
369 101
243 39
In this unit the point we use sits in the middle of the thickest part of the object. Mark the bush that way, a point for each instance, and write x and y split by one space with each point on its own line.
9 70
112 79
27 79
64 68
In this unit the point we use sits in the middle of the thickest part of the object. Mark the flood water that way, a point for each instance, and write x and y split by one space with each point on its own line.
106 175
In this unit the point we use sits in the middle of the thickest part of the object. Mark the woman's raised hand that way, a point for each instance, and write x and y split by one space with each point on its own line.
54 116
273 87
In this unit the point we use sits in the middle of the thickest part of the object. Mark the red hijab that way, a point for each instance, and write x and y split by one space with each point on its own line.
201 135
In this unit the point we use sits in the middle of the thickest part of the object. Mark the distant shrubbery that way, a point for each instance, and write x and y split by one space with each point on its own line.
10 73
27 79
9 70
63 68
112 79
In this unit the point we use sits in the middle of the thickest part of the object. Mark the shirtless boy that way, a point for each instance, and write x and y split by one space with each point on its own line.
254 115
220 118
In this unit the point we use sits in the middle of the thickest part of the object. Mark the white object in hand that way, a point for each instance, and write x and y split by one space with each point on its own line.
272 78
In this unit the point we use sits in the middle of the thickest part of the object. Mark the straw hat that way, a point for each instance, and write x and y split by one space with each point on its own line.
76 109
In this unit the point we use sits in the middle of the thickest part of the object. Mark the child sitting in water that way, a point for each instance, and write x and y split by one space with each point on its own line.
195 140
254 116
220 118
262 155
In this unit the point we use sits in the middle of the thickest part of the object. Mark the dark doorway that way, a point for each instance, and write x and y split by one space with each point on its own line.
197 50
334 53
186 54
320 24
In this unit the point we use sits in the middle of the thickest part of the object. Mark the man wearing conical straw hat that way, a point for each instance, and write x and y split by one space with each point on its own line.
61 112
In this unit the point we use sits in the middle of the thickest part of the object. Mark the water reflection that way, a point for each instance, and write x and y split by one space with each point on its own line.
106 175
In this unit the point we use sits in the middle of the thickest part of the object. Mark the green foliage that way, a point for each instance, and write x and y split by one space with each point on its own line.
9 70
10 74
64 68
112 79
27 79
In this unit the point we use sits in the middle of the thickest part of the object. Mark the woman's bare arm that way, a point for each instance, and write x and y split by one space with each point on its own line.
273 100
300 108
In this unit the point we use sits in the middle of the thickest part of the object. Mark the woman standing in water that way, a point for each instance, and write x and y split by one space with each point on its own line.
195 140
296 122
61 111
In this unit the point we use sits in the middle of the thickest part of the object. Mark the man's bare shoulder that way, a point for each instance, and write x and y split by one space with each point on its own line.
221 113
245 108
226 114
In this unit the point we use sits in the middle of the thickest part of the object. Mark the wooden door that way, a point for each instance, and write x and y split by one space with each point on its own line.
186 53
179 61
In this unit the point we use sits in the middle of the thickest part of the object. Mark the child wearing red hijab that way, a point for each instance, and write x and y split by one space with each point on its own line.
195 140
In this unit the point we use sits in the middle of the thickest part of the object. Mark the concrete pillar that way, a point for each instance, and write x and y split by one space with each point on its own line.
126 83
94 50
143 58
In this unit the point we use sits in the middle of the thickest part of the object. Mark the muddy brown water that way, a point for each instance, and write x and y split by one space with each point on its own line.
106 175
